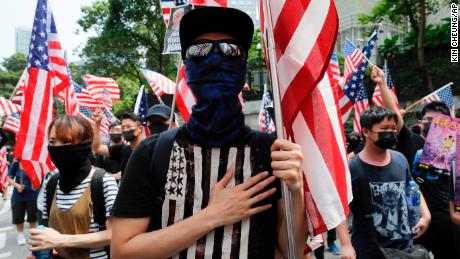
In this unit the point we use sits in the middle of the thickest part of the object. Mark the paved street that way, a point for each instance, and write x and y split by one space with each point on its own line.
8 246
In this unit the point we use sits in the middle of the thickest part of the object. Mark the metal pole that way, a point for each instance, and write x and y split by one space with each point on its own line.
173 103
279 129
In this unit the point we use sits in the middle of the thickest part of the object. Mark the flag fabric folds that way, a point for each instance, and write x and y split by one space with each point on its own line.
159 83
222 3
304 34
12 123
266 122
184 96
7 107
377 96
44 78
354 88
20 86
3 167
140 109
443 94
97 84
353 58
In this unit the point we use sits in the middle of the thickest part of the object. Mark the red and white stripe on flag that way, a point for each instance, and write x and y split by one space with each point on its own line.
20 86
31 141
159 83
97 84
222 3
359 106
304 34
12 124
184 97
352 62
7 107
318 129
377 97
166 6
3 167
71 101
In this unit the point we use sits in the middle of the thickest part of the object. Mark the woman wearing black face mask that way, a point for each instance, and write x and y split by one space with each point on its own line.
73 228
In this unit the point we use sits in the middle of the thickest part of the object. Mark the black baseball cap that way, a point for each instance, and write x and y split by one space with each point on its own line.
202 20
160 110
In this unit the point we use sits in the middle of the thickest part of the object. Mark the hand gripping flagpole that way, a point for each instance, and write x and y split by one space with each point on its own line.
279 128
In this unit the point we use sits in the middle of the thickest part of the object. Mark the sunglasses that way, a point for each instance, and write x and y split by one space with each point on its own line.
201 49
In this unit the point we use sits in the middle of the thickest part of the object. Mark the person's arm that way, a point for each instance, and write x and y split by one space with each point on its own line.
49 238
379 78
425 219
98 147
347 250
287 161
11 175
453 214
226 206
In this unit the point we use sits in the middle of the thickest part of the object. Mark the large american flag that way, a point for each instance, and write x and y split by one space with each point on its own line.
443 94
304 33
377 96
7 107
266 122
354 88
12 123
97 84
47 74
159 83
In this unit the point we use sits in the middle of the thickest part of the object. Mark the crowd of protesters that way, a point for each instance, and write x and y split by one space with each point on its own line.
211 188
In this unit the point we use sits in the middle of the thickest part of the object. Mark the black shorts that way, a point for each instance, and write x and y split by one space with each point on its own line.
19 209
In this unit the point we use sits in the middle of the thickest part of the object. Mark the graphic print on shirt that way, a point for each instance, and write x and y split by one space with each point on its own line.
192 173
390 209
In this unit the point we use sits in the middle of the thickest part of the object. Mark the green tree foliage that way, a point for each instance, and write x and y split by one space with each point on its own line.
415 12
11 72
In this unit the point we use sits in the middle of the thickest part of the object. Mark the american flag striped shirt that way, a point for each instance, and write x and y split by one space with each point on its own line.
192 172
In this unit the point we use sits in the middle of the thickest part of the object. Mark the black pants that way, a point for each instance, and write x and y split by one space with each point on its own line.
19 209
442 238
331 237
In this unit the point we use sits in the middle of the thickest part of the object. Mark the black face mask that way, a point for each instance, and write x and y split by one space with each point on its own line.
353 145
158 127
73 164
387 139
426 128
115 137
129 135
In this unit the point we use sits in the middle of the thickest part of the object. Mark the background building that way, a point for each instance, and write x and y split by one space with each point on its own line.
22 40
248 6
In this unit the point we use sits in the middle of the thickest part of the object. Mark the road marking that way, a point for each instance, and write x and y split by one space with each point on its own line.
5 255
6 207
4 229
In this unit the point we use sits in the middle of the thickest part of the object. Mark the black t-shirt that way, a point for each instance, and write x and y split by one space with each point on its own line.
193 170
3 138
409 143
121 154
390 212
107 163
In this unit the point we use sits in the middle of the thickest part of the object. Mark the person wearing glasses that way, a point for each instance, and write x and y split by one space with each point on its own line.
210 188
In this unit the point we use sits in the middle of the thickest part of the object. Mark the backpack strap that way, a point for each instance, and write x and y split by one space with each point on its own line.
97 197
160 158
366 202
50 191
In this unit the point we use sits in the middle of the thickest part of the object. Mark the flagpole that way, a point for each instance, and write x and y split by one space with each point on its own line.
410 107
279 130
173 103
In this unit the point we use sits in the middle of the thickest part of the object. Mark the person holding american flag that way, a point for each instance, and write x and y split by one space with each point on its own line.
210 188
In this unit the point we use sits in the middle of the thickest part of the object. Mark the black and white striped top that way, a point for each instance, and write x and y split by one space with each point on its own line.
65 201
